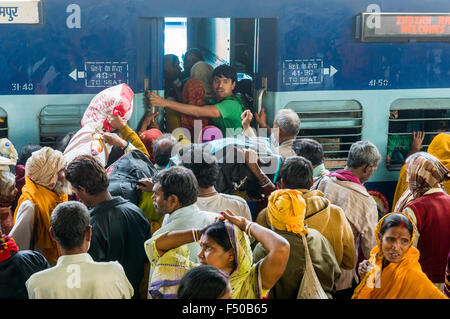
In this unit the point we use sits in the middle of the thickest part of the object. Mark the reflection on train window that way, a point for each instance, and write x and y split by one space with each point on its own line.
58 120
406 116
334 124
3 123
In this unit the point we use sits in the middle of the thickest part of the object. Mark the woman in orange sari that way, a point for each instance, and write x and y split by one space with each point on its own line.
393 270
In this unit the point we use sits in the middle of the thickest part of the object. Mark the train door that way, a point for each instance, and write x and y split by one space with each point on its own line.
150 60
265 65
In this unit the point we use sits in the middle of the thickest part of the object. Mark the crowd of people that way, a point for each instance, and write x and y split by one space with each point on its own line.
313 232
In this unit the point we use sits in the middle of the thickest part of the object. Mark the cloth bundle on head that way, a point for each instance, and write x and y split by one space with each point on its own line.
402 280
85 142
286 211
8 247
8 154
43 167
116 100
424 171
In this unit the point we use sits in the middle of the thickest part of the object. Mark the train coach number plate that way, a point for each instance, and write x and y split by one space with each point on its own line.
302 72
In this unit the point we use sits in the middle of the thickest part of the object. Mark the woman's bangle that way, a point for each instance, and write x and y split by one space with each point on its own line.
266 184
265 181
247 228
195 234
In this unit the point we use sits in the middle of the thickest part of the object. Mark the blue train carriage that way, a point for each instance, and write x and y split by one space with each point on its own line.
371 70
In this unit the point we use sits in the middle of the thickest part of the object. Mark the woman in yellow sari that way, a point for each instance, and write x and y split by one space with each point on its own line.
393 270
225 245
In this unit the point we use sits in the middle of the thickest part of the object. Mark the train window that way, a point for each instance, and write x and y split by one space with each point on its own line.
3 123
58 120
334 124
407 116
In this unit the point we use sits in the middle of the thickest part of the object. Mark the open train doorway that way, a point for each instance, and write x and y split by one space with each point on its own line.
214 41
247 44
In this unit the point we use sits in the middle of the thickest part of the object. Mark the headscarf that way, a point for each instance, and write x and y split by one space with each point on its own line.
402 280
8 247
243 258
424 171
286 211
440 148
148 137
43 167
203 71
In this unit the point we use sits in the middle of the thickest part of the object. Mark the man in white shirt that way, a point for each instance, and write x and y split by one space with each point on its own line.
206 171
76 275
